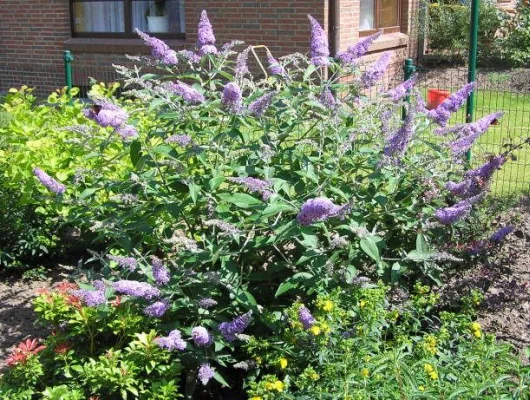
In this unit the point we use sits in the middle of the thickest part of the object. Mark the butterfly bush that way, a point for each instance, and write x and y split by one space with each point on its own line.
252 190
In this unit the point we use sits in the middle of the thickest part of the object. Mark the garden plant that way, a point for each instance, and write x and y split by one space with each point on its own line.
257 234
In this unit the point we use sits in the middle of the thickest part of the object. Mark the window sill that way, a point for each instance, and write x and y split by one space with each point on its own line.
389 41
115 46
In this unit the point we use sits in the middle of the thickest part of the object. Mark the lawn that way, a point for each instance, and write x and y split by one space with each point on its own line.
514 127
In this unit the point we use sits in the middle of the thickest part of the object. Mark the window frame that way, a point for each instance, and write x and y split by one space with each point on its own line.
128 34
388 29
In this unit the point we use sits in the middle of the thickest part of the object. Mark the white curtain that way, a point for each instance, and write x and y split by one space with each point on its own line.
174 9
103 16
366 18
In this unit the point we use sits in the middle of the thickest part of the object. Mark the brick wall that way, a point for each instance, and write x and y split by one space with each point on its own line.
34 33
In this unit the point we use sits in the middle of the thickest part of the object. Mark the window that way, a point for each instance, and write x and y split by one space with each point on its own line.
379 15
120 18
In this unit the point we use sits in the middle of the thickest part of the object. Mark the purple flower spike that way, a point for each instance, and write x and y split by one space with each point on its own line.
127 132
207 303
260 105
232 98
205 36
327 99
229 330
136 289
255 186
129 263
171 342
188 94
305 317
201 337
275 67
450 215
376 71
319 44
486 170
205 373
181 140
157 309
500 234
319 209
358 50
160 272
442 113
50 183
242 62
92 298
159 49
471 132
403 89
106 114
398 142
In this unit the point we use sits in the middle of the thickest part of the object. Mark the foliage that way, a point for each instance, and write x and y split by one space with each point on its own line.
449 30
516 42
223 198
364 346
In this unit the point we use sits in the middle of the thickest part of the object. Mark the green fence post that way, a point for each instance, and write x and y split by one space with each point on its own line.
409 68
472 68
68 58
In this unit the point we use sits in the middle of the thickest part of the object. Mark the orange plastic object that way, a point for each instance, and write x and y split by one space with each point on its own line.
435 97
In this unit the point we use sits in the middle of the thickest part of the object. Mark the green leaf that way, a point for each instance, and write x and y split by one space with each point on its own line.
241 200
134 152
309 71
217 376
395 273
246 298
87 193
369 246
276 208
215 182
293 282
194 191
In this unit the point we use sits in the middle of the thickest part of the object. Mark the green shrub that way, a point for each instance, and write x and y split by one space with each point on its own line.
449 30
516 43
225 199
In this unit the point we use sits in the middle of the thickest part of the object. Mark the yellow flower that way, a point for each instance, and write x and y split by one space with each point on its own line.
367 358
428 368
269 386
258 360
256 398
421 388
315 376
362 304
475 326
315 330
278 385
365 372
477 334
433 375
283 363
327 306
325 327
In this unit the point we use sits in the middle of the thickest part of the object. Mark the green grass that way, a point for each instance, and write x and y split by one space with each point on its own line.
514 177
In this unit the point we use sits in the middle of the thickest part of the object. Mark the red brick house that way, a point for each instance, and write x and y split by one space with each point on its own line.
34 33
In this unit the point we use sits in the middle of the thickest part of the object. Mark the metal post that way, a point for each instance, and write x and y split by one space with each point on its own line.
68 58
409 68
472 68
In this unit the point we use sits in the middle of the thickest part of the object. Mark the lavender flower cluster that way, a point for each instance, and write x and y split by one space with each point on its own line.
160 272
157 309
50 183
401 90
376 71
229 330
255 186
181 140
476 180
107 114
201 337
305 317
275 68
319 209
501 234
442 113
129 263
327 99
188 94
232 98
319 44
397 143
159 50
359 49
452 214
205 36
92 298
469 133
260 105
206 372
171 342
136 289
